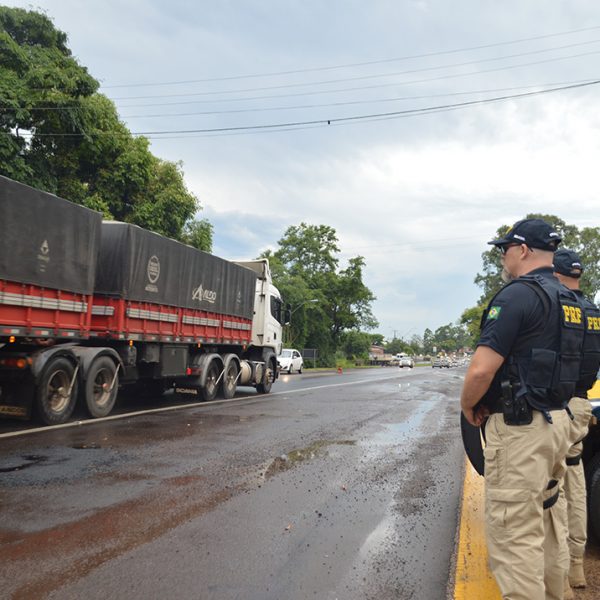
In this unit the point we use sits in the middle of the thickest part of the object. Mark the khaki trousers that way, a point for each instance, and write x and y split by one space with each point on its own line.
519 463
556 551
574 481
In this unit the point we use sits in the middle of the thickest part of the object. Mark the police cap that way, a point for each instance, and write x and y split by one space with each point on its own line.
566 262
535 233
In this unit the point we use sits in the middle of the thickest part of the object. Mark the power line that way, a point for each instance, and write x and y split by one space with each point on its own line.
334 120
368 87
325 104
350 102
309 93
362 77
356 64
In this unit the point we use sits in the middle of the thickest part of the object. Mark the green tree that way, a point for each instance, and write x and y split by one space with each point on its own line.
356 344
585 241
396 346
471 320
198 233
416 344
325 301
58 134
428 341
377 339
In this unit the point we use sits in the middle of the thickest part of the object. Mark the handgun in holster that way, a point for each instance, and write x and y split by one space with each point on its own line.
515 408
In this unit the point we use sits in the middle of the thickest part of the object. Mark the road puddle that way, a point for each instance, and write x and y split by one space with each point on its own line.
396 433
294 457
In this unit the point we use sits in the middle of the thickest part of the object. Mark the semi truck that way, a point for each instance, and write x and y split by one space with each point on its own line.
90 306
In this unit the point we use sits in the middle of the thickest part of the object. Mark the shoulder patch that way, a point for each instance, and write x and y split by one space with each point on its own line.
494 312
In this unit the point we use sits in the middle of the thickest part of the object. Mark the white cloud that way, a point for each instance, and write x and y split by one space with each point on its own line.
418 197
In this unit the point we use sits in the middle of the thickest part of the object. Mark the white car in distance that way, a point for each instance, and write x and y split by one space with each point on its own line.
290 360
406 361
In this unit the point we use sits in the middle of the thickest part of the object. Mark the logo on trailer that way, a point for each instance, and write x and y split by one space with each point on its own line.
153 272
153 269
43 256
201 294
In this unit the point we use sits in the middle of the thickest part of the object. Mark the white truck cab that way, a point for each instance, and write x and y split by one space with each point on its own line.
269 314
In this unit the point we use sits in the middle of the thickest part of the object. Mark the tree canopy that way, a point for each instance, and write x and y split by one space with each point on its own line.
327 302
585 241
58 134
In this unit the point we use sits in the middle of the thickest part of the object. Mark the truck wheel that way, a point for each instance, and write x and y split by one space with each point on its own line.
100 391
230 380
210 387
264 387
593 495
54 403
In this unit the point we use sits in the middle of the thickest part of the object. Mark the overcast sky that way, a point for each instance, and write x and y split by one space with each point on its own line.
418 195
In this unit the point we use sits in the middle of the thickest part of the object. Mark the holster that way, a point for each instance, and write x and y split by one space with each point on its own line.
515 408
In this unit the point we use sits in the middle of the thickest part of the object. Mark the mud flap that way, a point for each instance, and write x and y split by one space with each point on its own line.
471 437
16 399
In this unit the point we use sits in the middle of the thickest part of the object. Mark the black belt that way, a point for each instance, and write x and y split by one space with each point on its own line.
573 460
550 502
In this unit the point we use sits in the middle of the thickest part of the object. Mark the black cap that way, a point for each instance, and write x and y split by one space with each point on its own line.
536 233
567 262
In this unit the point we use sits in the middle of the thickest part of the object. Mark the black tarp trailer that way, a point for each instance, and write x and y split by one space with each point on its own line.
86 306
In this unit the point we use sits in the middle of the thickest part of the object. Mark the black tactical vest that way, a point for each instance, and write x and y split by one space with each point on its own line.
545 365
591 347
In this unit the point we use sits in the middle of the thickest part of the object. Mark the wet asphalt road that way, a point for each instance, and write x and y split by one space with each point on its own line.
333 486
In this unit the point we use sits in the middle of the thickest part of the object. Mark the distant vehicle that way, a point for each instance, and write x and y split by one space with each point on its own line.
440 363
290 360
406 361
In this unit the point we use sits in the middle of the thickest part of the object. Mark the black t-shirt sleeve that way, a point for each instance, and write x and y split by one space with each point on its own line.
513 312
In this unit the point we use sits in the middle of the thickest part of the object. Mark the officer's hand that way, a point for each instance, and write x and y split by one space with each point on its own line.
477 415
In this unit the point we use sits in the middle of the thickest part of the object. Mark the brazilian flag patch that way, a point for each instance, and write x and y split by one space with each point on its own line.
494 312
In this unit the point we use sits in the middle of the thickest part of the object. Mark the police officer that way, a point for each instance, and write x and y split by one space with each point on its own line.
520 379
568 269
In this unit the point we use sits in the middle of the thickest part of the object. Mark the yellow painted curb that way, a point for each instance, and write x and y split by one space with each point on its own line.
473 580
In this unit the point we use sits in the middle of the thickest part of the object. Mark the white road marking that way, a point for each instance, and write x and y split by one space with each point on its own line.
245 399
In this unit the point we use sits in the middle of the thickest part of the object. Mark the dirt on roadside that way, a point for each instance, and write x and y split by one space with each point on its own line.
592 573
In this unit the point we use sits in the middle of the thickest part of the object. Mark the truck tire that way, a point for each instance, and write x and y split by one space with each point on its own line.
264 387
230 380
100 397
54 405
209 390
593 495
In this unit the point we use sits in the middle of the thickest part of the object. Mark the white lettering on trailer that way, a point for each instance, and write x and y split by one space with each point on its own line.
201 294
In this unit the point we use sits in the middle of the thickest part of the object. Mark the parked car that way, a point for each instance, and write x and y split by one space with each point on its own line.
440 363
290 360
406 361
